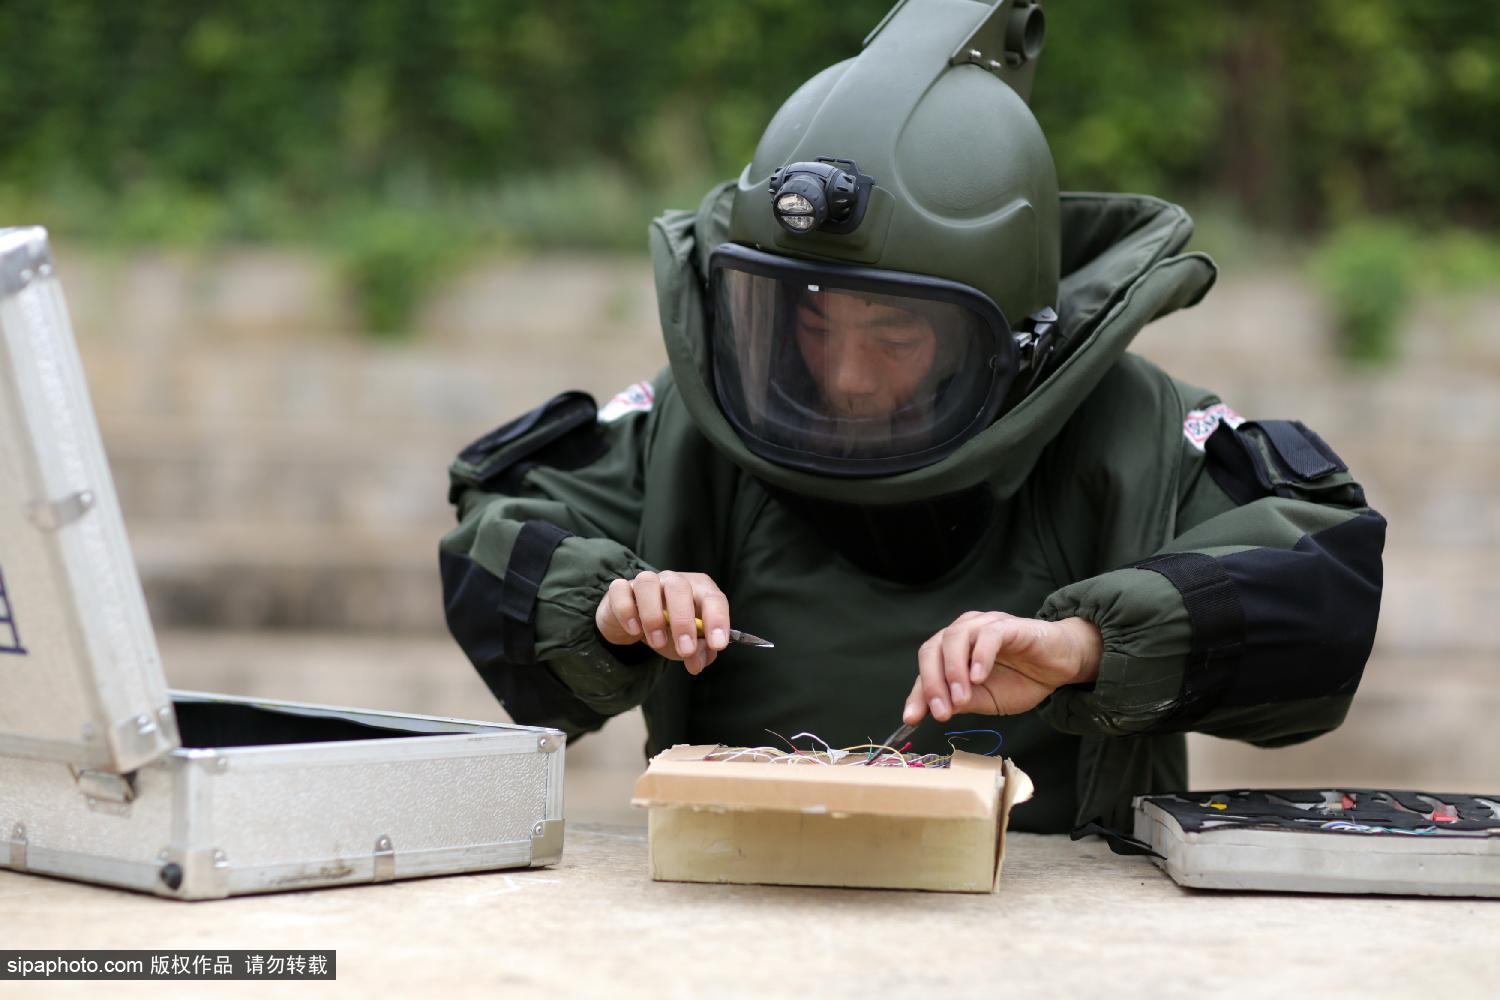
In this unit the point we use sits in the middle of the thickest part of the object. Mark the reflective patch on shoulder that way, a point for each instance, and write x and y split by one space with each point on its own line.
637 397
1199 425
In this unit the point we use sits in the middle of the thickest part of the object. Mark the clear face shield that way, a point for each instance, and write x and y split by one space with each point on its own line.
853 371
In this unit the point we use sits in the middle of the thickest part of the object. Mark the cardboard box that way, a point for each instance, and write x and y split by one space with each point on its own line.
841 825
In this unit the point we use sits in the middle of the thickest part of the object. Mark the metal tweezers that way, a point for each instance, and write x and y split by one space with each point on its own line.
893 741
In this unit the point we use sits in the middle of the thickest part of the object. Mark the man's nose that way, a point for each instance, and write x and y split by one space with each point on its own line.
853 372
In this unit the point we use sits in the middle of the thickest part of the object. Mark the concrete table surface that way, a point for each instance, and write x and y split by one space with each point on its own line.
1070 919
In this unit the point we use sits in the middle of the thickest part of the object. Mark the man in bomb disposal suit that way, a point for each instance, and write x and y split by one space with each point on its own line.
900 436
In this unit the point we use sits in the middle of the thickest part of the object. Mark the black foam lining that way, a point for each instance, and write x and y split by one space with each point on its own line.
209 724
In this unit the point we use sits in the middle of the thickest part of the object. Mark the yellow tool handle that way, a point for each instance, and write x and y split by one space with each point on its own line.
735 635
696 621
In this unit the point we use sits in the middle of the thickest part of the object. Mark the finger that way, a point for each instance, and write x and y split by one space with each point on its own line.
713 608
678 594
700 660
934 684
622 607
915 709
987 646
647 590
958 640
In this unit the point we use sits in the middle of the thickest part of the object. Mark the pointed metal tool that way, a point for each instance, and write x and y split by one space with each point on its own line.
735 635
745 638
893 741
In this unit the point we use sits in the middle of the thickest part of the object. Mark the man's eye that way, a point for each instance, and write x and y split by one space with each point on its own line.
898 346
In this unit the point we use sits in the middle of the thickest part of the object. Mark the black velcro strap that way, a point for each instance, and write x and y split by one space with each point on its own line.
1218 622
529 558
1301 449
1237 467
1120 843
557 416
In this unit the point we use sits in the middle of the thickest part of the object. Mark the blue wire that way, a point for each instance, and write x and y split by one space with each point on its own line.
999 738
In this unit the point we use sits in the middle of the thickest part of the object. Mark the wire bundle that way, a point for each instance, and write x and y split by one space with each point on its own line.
847 756
821 754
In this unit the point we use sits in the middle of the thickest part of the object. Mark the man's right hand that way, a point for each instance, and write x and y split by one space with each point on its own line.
632 611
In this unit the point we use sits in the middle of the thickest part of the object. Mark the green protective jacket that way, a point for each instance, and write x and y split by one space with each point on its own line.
1232 565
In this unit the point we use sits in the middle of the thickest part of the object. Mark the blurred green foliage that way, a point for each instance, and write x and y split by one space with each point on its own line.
1300 111
391 259
1371 272
570 122
1365 271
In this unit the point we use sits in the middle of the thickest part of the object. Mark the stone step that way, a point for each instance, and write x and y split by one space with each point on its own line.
438 384
313 576
331 473
1272 323
1416 441
1419 721
171 299
285 475
310 577
355 384
1268 318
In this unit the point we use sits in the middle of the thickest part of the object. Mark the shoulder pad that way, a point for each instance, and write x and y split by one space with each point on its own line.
563 432
1286 458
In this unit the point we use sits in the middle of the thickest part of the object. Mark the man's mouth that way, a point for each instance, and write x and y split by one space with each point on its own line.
855 410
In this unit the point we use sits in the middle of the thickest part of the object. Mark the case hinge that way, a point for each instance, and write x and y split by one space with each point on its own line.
50 515
18 847
385 860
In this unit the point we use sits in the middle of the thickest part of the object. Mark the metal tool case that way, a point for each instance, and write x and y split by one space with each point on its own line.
108 777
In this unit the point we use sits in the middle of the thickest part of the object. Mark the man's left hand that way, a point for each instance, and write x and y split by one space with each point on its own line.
993 663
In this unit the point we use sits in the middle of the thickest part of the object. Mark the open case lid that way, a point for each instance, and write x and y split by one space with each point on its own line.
80 676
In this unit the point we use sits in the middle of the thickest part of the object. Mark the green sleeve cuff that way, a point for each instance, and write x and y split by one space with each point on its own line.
568 642
1147 637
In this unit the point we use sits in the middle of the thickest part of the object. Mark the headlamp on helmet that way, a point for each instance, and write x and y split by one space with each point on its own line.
820 195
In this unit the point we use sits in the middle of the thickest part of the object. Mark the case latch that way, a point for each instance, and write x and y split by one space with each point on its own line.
105 786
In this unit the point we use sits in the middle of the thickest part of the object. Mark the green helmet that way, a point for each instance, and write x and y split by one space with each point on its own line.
890 277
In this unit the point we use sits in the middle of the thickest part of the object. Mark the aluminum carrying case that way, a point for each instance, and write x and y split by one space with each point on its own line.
107 776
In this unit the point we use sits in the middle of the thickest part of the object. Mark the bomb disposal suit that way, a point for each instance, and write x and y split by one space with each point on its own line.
899 401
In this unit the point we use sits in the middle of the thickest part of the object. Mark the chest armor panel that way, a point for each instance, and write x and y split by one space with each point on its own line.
846 646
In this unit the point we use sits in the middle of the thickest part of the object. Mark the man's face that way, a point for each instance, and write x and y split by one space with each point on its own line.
868 358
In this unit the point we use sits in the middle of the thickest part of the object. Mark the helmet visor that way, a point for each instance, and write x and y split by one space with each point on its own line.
852 371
